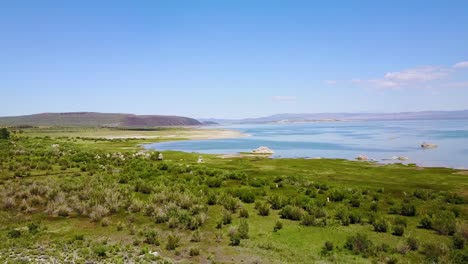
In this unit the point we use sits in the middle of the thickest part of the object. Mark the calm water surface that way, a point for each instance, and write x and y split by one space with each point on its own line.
379 140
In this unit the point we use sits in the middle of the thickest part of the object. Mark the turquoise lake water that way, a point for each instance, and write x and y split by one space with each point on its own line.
379 140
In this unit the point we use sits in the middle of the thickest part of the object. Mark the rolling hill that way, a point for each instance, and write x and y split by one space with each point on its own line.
92 119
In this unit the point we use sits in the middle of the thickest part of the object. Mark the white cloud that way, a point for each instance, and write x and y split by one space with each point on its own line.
421 74
415 77
462 64
284 98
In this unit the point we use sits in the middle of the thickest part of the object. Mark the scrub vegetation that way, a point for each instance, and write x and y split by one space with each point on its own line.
79 199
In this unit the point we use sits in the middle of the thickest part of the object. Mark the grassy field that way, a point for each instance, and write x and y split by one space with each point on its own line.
75 195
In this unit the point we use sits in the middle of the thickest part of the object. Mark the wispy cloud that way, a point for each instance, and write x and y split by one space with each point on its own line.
284 98
461 64
420 77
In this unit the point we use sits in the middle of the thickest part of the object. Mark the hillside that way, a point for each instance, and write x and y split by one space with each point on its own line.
316 117
97 120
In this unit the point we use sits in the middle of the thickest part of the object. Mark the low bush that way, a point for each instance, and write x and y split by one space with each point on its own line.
194 252
172 242
291 213
444 222
263 209
278 226
398 230
243 213
360 244
380 225
435 252
408 210
458 241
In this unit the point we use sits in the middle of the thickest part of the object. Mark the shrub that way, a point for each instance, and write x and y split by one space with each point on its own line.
105 222
196 237
211 198
355 218
194 252
100 251
435 252
373 207
214 182
276 202
426 222
337 195
14 233
360 244
278 226
355 201
400 221
230 203
234 237
243 230
380 225
458 241
454 198
246 196
172 242
226 217
263 209
243 213
33 228
328 246
444 222
291 213
398 230
308 220
408 210
413 243
98 212
151 237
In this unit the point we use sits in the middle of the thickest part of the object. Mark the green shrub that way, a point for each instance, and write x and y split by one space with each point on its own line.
408 210
234 237
243 230
458 241
196 236
413 243
454 198
435 252
355 218
33 228
278 226
337 195
398 230
246 195
214 182
444 222
263 209
243 213
276 201
226 217
151 237
373 207
172 242
194 252
100 251
426 222
380 225
400 221
14 233
360 244
328 246
291 213
308 220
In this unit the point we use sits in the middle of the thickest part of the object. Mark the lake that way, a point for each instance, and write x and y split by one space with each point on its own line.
379 140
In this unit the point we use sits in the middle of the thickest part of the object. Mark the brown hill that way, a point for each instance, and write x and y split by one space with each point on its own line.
92 119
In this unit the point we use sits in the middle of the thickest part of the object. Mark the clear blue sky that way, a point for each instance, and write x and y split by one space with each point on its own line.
233 59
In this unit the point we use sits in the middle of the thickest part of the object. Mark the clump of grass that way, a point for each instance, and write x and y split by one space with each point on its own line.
278 226
172 242
263 208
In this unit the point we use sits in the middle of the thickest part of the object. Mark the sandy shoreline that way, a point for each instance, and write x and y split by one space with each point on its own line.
195 134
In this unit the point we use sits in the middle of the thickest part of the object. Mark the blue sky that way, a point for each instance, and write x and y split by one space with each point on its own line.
233 59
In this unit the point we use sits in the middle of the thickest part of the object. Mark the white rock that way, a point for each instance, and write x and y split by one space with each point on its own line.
263 150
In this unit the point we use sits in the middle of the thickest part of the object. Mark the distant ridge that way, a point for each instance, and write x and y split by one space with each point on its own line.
321 117
93 119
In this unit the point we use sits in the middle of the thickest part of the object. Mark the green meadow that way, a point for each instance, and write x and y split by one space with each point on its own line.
71 195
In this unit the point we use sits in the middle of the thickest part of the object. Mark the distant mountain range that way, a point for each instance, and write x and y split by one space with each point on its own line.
91 119
323 117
